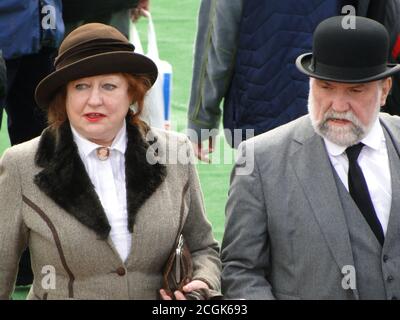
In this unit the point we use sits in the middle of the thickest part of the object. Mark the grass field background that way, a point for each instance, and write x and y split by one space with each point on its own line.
175 23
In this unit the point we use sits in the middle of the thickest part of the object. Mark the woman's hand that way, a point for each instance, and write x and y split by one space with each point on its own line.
193 285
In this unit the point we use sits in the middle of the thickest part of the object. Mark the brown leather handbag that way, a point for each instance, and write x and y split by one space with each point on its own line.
178 271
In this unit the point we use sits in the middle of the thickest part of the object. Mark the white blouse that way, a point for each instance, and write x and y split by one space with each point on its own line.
108 178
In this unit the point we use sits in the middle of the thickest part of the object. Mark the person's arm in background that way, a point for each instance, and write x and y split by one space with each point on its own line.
387 13
136 12
214 56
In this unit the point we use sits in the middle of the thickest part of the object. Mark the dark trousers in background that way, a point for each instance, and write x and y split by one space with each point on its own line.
119 20
25 119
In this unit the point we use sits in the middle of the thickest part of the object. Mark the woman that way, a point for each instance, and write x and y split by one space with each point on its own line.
99 215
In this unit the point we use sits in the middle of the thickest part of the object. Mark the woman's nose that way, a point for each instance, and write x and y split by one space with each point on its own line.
95 98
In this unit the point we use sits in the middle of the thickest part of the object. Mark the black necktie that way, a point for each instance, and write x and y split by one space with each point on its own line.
359 192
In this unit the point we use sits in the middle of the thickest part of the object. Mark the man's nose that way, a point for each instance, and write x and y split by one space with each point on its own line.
340 103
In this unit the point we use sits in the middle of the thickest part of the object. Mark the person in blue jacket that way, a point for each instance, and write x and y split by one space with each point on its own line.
30 33
244 62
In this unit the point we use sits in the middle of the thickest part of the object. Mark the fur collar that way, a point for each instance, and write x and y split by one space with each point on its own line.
65 181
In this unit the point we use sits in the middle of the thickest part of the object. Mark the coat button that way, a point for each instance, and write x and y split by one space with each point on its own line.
121 271
385 258
390 278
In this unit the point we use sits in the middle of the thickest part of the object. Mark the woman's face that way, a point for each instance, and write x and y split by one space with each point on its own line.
96 106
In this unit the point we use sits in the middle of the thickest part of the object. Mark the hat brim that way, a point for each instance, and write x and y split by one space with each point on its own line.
104 63
345 75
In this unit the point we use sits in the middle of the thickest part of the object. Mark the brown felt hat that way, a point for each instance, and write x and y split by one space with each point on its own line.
90 50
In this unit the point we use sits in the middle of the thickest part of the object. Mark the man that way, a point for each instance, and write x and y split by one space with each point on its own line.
244 56
315 219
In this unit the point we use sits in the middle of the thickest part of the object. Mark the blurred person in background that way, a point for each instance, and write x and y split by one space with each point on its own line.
3 84
115 13
30 33
245 55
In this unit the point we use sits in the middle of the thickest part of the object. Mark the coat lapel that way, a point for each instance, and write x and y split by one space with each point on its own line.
142 177
64 178
393 228
314 171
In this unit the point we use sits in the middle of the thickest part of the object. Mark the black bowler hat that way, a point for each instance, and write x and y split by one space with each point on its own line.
345 54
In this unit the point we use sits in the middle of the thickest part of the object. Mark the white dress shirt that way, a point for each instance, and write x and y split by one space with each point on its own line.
374 163
108 178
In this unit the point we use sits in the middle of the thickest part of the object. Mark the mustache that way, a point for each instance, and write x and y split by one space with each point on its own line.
334 115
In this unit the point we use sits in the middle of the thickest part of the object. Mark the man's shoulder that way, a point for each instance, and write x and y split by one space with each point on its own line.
391 118
298 129
390 121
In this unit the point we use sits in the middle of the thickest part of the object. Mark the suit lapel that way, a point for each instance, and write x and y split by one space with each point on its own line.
393 147
314 171
64 178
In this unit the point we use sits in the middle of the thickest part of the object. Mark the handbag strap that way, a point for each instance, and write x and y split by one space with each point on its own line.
185 189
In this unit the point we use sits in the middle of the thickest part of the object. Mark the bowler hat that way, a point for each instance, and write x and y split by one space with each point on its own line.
348 49
90 50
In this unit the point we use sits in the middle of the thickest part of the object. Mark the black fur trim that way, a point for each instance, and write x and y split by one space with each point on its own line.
65 181
142 178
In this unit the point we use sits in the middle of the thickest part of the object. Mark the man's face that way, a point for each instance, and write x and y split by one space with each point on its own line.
345 112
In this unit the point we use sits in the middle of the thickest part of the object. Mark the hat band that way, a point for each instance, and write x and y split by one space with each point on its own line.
91 48
345 73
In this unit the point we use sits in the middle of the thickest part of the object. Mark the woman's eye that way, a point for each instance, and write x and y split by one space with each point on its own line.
81 86
109 86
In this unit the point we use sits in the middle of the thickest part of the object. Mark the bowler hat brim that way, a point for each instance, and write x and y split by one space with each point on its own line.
103 63
337 74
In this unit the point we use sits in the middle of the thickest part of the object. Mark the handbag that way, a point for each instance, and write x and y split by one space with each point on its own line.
178 271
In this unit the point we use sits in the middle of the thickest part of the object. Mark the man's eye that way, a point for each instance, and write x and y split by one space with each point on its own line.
109 86
356 90
81 86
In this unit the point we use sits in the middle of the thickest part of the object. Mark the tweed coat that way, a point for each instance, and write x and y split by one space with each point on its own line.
49 204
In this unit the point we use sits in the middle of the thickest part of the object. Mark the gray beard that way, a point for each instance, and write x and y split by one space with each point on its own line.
343 136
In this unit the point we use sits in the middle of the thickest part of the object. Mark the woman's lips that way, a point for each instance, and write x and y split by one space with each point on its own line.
94 116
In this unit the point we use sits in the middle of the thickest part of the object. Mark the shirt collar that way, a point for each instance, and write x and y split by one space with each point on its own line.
86 147
373 140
